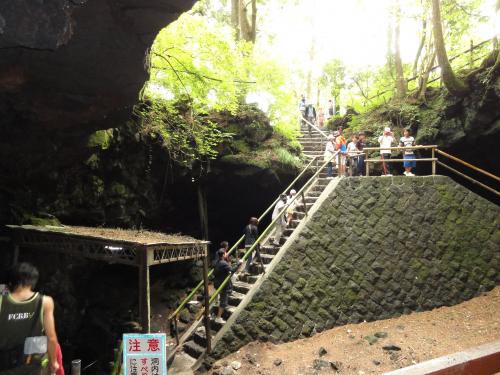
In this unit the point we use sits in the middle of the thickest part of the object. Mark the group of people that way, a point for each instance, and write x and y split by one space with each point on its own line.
351 154
283 213
319 117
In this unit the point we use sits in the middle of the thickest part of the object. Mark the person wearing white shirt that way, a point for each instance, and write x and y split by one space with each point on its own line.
409 156
327 156
352 153
386 140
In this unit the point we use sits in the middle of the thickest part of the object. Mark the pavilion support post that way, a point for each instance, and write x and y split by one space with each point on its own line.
433 162
144 292
207 304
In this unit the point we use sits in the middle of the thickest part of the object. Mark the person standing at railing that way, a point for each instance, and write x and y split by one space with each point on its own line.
353 153
328 154
341 146
361 158
281 220
386 140
251 235
221 271
409 156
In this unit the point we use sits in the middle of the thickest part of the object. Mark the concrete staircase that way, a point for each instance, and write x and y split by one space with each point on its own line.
194 348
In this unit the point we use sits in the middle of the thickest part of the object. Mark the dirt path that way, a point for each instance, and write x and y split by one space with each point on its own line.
420 337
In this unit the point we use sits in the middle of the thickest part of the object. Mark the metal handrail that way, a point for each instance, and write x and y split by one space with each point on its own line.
270 227
432 159
237 243
315 127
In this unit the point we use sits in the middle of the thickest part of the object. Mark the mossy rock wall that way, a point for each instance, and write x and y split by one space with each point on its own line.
375 249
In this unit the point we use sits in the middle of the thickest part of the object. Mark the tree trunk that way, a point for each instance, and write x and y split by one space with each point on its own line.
235 17
420 47
422 82
390 55
401 84
253 28
454 85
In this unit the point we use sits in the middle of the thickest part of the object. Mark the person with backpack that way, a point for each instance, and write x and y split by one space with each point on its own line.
310 116
221 271
251 234
28 339
361 158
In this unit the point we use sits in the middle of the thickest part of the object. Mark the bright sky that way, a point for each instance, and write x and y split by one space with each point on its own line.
353 30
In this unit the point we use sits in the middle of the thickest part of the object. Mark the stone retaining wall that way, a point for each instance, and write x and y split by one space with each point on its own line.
375 249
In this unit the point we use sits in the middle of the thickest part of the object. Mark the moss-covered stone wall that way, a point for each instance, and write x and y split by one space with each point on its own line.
376 248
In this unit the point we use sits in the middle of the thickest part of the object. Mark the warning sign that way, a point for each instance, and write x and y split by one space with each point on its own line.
144 354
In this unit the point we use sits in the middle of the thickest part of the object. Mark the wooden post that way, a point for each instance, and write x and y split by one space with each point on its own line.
367 167
144 300
433 162
207 303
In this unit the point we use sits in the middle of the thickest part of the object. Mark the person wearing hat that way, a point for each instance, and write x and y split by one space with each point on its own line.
328 155
281 220
221 271
386 140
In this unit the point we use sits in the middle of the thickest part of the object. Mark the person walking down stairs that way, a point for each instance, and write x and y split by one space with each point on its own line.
251 235
221 271
327 156
281 222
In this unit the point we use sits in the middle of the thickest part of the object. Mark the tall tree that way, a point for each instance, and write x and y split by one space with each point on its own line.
334 74
454 85
401 84
244 19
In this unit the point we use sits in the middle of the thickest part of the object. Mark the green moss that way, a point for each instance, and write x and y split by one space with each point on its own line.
43 221
101 139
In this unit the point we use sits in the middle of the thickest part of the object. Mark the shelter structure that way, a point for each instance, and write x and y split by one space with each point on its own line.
142 249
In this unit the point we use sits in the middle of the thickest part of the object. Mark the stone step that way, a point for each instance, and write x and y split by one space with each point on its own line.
269 249
288 231
193 349
250 279
311 199
266 258
200 337
235 298
241 287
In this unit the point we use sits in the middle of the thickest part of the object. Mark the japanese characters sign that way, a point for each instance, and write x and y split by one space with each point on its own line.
144 354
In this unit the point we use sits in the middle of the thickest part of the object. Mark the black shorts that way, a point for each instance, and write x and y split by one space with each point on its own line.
224 296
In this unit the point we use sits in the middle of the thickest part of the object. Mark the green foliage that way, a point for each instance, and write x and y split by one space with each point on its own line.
187 136
333 77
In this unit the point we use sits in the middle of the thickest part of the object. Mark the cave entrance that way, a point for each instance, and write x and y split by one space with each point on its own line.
115 247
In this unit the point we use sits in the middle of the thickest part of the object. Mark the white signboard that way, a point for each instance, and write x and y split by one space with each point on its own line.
144 354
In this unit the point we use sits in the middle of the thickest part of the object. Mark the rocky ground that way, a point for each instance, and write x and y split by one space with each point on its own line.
375 347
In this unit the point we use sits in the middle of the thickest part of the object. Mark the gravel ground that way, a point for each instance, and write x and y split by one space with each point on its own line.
140 236
418 336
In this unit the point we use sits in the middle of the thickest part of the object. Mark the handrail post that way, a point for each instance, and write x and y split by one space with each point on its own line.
304 203
367 167
433 161
207 305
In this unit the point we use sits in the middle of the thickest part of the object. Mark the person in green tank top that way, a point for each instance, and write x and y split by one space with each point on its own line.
24 315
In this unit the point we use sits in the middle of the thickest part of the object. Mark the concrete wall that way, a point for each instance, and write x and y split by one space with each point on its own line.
375 248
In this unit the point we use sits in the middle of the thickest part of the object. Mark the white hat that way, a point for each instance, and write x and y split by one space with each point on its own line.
292 192
387 130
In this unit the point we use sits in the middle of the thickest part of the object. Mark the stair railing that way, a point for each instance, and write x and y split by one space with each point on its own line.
172 318
315 127
263 236
470 166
